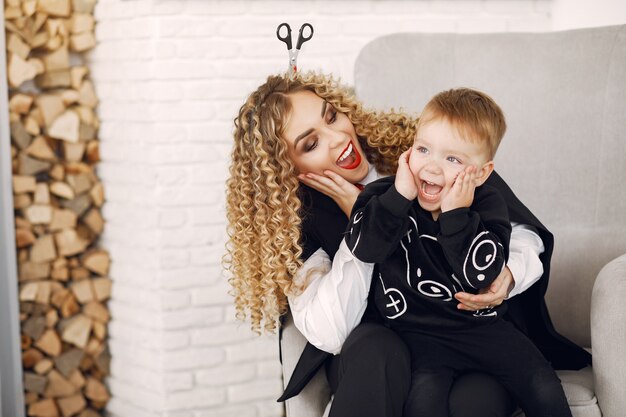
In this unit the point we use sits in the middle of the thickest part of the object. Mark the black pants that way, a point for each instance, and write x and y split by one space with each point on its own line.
497 348
371 378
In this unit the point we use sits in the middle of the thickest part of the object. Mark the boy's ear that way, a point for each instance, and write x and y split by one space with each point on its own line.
483 173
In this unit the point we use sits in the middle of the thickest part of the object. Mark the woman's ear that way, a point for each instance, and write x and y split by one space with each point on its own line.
483 173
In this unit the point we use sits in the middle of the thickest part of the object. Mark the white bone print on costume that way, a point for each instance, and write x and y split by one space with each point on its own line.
477 264
397 306
357 218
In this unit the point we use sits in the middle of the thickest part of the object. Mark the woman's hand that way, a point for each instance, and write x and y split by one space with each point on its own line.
461 193
405 180
488 297
343 192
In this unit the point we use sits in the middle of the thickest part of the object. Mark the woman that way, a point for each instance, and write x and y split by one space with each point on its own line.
306 128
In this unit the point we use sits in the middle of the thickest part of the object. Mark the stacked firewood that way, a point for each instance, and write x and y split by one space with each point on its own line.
63 283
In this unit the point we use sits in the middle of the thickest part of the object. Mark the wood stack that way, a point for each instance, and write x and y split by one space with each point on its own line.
57 198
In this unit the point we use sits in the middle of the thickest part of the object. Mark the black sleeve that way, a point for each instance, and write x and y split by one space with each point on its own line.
475 240
378 221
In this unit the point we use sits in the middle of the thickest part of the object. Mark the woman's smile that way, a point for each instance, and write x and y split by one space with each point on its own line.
350 158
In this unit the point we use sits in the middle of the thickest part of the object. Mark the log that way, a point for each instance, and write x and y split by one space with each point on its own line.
96 311
80 183
40 149
69 243
31 357
21 201
24 184
58 60
43 293
82 22
35 383
53 79
97 261
39 214
43 249
20 70
24 238
19 135
69 307
62 189
96 391
17 46
93 151
93 219
43 366
51 106
83 6
58 385
77 379
79 273
69 361
71 405
57 172
77 75
102 288
42 194
31 126
60 8
73 152
52 317
83 291
97 194
34 326
65 127
30 271
31 166
20 103
29 291
77 331
50 343
82 41
87 95
63 219
43 408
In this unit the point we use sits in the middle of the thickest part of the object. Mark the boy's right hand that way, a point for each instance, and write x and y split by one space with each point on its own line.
405 180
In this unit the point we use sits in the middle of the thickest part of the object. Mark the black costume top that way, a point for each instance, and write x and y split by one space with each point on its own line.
324 225
421 263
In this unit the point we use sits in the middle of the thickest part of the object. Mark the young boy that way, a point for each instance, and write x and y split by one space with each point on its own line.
435 230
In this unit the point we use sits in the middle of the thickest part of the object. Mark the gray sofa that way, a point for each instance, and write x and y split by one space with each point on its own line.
564 154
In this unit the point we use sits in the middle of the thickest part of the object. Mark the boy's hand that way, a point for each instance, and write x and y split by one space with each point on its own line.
343 192
489 297
461 193
405 180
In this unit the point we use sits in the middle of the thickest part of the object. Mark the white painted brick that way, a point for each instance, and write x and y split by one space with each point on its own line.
174 300
227 110
149 379
122 407
283 8
184 111
192 317
248 27
207 256
225 374
187 27
264 347
456 7
203 215
178 381
349 8
190 359
239 68
172 218
218 7
509 6
198 236
400 7
243 410
189 277
214 131
171 175
132 314
187 196
197 397
214 172
174 340
132 353
147 400
225 334
178 414
269 369
270 409
182 153
167 7
213 295
254 390
173 258
479 25
208 48
535 24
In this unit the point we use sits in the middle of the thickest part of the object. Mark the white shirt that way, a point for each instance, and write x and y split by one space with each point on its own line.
335 297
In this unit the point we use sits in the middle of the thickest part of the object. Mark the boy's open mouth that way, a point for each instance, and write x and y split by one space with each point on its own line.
430 191
349 158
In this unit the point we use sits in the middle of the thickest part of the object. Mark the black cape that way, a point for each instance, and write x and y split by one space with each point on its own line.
324 225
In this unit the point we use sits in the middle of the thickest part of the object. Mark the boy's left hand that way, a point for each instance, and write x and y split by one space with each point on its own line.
461 194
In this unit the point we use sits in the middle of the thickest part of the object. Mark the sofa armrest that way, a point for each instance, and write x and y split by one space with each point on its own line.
314 397
608 337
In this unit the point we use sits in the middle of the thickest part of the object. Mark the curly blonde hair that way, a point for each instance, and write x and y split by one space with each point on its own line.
262 203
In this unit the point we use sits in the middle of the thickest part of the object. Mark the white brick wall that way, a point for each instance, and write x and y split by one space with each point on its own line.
171 75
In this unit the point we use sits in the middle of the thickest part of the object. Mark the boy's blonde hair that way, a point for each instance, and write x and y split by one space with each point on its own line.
474 114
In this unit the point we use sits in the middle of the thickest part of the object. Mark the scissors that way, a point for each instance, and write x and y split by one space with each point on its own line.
293 53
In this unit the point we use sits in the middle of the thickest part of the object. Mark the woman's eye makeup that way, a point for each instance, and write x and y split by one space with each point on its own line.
331 115
310 145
